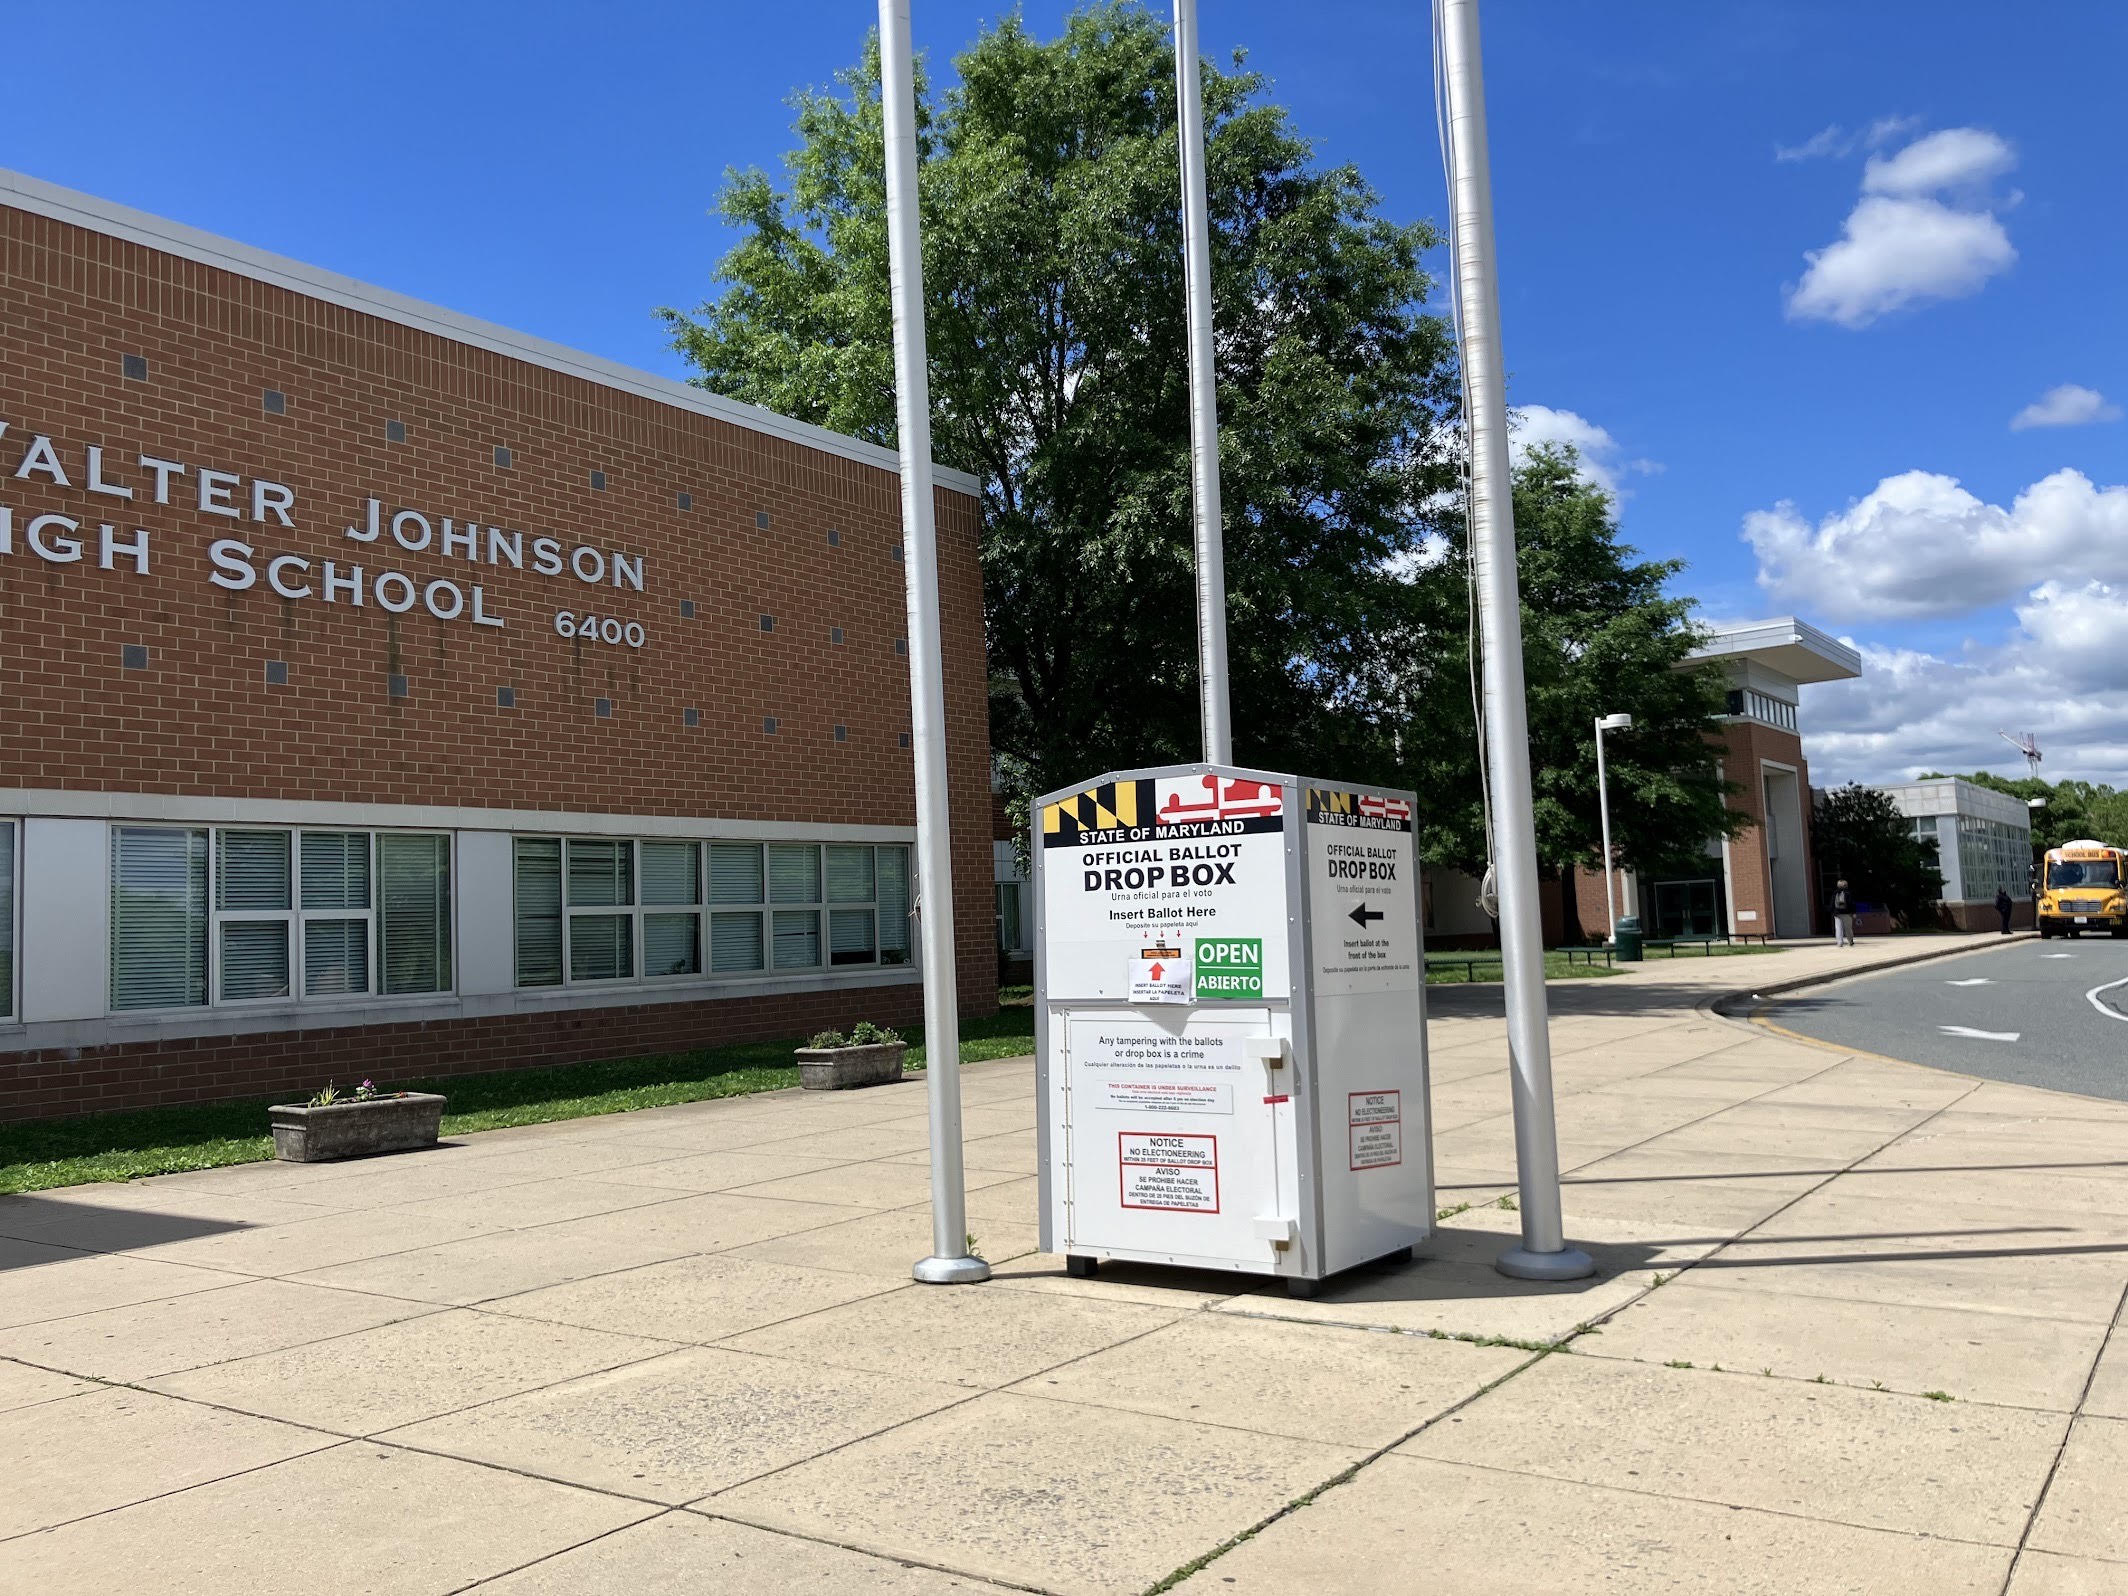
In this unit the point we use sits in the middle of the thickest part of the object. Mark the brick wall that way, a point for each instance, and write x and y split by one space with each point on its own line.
1741 746
1746 744
55 1081
202 719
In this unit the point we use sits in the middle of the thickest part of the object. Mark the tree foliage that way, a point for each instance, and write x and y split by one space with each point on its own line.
1857 832
1053 268
1054 304
1600 636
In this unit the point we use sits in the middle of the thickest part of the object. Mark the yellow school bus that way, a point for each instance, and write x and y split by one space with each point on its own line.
2081 888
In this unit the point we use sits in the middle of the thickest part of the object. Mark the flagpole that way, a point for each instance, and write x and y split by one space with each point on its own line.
1213 709
951 1261
1543 1254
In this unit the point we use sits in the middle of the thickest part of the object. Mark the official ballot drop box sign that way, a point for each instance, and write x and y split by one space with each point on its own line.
1230 1022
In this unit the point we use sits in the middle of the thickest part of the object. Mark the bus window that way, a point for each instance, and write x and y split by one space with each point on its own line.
2083 873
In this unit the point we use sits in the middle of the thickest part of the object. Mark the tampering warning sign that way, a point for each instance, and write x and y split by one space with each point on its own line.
1377 1127
1172 1172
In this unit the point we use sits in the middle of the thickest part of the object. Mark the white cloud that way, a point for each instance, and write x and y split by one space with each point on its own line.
1954 157
2069 405
1601 465
1901 245
2061 673
1831 140
1887 128
1895 252
1920 545
1836 142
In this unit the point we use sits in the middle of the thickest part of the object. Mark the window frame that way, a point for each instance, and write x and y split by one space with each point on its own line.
217 917
371 934
705 910
699 909
295 917
110 974
632 911
11 990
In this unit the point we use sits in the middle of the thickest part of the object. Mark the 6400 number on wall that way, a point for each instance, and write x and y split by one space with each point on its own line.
599 628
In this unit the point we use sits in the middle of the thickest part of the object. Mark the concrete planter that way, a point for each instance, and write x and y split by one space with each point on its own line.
351 1129
834 1069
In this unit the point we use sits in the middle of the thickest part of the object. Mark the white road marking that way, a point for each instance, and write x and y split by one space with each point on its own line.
1982 1036
2057 955
1978 980
2091 997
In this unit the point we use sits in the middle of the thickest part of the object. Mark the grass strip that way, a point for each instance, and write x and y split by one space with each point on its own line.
36 1155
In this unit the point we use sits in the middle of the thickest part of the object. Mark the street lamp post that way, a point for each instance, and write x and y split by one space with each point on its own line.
1606 723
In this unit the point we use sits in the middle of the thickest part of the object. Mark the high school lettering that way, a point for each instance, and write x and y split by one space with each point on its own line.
239 565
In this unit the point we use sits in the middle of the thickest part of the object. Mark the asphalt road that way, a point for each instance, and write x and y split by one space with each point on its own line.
2047 1017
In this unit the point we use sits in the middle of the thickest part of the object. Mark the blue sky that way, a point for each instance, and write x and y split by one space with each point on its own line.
551 167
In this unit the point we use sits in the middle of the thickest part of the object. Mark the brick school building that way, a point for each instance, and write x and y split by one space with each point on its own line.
390 694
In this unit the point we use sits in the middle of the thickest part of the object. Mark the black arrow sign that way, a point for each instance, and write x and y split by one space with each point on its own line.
1363 914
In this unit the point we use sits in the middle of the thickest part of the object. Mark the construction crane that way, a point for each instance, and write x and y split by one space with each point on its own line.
2028 745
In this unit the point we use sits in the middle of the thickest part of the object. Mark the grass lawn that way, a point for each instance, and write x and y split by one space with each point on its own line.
1717 950
39 1154
1556 968
1487 968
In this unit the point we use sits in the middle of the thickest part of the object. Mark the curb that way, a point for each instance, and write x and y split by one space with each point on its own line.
1718 1006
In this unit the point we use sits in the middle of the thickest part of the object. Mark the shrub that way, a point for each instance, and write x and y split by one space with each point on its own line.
863 1034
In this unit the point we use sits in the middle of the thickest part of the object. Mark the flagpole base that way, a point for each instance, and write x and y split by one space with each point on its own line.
950 1271
1519 1263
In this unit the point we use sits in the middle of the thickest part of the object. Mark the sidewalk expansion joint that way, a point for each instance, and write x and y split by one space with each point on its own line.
2039 1499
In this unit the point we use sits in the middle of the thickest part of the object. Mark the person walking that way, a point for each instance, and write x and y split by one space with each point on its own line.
1843 915
2002 907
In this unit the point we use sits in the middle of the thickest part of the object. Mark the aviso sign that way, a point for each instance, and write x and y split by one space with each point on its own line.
239 564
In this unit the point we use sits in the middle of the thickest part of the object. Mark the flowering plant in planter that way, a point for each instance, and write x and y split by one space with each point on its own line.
334 1125
867 1055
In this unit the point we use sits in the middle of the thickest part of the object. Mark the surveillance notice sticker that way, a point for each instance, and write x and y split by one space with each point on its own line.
1177 1173
1377 1125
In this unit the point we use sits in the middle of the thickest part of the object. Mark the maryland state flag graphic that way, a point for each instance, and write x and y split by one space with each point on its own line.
1085 816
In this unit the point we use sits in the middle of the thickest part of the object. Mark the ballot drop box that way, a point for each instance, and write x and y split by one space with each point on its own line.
1230 1023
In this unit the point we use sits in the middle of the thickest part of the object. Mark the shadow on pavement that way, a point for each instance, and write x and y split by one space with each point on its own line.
89 1227
1596 998
1837 1169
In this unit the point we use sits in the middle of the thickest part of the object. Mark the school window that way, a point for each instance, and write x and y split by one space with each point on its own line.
241 914
608 909
7 919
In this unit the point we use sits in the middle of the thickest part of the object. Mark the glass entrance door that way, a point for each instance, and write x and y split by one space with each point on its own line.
1688 908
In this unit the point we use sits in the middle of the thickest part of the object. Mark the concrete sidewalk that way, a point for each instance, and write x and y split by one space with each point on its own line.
1851 1333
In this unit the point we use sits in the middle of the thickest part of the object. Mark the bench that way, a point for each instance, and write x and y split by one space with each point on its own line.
1449 961
1704 944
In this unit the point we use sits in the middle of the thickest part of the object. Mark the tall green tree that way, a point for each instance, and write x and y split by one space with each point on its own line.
1601 635
1048 189
1053 270
1858 833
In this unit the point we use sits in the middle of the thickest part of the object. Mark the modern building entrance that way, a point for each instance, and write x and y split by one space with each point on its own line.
1689 908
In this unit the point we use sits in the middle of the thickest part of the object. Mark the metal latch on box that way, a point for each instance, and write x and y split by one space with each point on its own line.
1270 1051
1278 1232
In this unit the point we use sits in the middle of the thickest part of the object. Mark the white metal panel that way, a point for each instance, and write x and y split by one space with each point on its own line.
486 927
66 919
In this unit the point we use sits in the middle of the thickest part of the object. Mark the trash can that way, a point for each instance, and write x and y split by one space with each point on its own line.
1626 939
